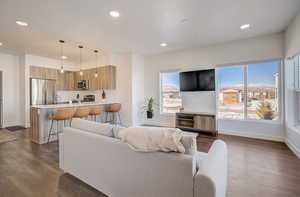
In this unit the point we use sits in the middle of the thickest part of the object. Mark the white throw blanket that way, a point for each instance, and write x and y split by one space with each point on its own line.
149 139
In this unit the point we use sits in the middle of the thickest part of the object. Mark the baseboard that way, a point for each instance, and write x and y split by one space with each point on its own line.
252 135
293 148
9 124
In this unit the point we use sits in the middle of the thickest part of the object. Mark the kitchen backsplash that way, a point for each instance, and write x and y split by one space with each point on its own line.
65 96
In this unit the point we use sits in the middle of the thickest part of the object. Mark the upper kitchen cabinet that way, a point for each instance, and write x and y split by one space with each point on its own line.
60 82
107 77
77 77
50 73
65 81
93 81
43 73
37 72
69 80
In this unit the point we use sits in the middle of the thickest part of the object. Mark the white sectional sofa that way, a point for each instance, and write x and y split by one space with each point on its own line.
109 165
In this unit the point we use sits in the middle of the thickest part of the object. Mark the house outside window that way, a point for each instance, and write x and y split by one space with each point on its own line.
249 92
170 98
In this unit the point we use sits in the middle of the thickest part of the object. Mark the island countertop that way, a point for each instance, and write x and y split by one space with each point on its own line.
41 124
84 104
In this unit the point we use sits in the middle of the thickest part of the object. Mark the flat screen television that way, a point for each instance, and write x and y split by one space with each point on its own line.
200 80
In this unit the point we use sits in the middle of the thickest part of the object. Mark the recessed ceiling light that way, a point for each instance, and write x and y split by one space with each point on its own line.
245 26
114 14
1 44
22 23
163 44
184 20
64 57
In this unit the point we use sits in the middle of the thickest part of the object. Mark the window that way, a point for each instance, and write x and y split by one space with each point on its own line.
249 91
292 79
231 92
170 92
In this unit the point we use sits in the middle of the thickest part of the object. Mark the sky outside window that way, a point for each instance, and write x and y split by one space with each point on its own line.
170 79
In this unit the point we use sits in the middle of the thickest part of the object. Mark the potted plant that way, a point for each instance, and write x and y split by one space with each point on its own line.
148 107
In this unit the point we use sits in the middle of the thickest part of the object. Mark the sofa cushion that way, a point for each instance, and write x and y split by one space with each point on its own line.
93 127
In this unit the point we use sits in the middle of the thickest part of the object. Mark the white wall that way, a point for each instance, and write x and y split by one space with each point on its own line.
292 47
123 91
199 101
137 89
9 65
292 38
255 49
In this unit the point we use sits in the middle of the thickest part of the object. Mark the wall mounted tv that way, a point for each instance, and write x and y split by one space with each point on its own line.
200 80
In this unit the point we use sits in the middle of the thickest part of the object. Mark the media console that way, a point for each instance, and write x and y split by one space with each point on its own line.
197 122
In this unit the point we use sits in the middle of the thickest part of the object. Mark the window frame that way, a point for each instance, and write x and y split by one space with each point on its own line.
161 92
280 91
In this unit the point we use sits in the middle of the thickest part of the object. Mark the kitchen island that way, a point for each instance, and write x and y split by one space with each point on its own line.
40 123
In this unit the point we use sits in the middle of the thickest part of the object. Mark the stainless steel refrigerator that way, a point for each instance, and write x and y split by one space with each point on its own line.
42 91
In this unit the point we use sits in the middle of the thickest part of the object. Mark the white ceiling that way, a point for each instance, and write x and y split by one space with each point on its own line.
143 24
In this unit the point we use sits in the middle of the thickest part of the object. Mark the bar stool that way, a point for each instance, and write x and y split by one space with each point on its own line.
81 112
59 115
95 111
113 110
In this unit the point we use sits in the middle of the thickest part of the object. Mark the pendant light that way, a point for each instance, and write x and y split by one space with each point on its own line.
80 49
61 56
96 73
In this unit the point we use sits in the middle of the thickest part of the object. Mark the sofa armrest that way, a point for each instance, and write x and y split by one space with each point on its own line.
211 177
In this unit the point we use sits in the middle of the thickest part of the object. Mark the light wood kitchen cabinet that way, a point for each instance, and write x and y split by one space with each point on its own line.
60 81
43 73
93 81
36 72
107 77
50 73
77 77
69 80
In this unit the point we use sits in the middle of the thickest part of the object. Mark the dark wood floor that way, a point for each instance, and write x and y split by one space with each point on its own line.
256 168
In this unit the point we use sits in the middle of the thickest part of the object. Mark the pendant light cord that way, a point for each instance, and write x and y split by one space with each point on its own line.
61 55
96 52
